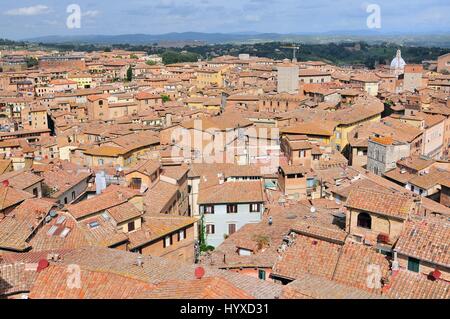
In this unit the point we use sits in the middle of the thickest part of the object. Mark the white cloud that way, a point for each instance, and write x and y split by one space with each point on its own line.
91 13
28 11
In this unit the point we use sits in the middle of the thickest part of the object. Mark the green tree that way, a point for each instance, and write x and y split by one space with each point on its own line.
170 57
134 56
165 98
204 247
129 74
31 62
150 62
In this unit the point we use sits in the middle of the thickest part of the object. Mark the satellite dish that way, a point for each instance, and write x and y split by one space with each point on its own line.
48 219
53 213
313 209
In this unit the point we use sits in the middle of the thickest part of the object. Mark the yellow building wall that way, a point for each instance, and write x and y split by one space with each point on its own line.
371 88
206 79
195 105
39 120
82 82
345 129
380 224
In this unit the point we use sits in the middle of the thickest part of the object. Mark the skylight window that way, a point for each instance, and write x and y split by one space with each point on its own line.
60 220
52 230
65 232
94 224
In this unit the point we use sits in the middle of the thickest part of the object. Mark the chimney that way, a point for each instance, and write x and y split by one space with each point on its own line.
139 261
395 265
270 221
221 178
168 119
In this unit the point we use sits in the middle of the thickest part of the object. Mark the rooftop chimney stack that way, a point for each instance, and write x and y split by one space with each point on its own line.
221 178
139 261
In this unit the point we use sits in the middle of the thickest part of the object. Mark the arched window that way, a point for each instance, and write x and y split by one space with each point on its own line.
364 220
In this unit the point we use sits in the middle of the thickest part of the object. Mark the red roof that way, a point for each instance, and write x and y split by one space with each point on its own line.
93 98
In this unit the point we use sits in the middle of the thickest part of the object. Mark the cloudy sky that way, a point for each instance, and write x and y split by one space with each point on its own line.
28 18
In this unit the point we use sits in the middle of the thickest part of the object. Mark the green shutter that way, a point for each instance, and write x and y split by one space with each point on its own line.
413 264
262 274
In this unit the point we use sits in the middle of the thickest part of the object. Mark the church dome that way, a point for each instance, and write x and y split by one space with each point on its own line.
398 63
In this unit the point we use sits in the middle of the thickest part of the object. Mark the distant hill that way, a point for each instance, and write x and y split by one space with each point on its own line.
151 38
369 36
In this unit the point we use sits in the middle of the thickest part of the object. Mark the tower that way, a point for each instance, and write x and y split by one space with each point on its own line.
287 77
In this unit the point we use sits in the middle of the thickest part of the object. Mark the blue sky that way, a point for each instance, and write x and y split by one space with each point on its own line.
25 18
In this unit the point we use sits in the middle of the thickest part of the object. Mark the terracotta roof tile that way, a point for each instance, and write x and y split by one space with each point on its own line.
157 226
123 212
51 283
427 239
10 196
156 270
232 192
308 286
21 179
111 196
308 255
205 288
394 205
410 285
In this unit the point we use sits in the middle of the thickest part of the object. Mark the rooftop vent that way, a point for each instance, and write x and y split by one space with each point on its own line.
139 261
42 264
434 275
199 272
